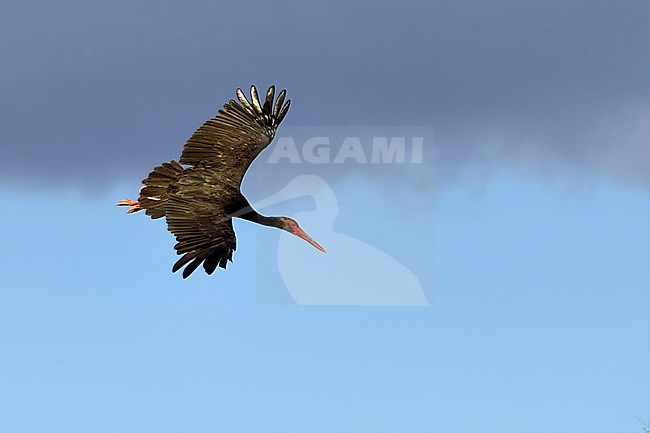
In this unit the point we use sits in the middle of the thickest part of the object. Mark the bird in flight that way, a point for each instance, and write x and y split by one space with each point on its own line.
200 194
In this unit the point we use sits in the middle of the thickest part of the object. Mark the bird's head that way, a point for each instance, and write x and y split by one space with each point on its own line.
291 226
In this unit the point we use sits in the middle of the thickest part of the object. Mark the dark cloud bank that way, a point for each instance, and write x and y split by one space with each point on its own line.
93 93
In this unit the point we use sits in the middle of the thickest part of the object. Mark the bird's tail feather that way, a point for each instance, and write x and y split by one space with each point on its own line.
154 195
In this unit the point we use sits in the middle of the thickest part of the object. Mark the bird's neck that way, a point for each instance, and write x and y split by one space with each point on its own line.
252 215
243 209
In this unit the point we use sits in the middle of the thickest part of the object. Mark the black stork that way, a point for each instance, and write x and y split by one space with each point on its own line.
200 194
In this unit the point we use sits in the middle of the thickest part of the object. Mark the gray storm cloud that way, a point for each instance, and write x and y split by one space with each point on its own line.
93 93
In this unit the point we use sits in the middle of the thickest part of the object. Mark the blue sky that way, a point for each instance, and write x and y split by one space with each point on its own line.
526 224
537 323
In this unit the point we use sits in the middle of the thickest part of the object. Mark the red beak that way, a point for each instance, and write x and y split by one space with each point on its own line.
301 234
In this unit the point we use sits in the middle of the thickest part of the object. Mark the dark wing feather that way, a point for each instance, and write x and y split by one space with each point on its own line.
204 233
199 200
240 131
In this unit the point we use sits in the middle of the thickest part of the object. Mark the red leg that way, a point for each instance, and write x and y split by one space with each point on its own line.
134 205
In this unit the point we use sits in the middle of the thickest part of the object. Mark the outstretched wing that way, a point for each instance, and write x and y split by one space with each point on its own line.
204 233
238 133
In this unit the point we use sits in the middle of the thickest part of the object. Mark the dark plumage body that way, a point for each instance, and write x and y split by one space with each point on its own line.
200 194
